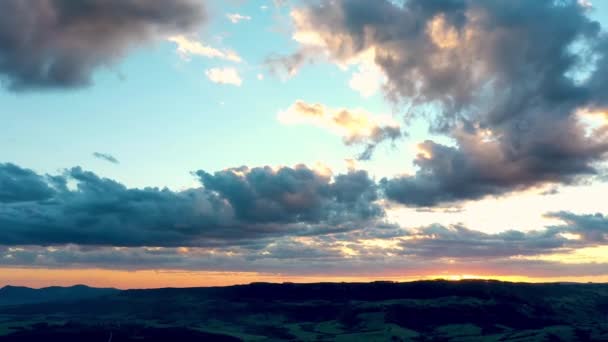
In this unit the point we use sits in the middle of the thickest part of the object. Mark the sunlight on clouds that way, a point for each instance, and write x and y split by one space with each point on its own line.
187 47
302 36
368 77
352 125
307 35
594 120
322 169
351 164
224 76
240 172
598 255
522 211
382 243
423 152
443 35
348 252
570 236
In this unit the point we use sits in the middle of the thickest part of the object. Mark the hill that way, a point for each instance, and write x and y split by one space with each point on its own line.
378 311
15 295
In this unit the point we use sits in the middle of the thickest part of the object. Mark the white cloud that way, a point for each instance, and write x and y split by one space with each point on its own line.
585 3
187 47
260 77
368 77
235 18
224 76
367 80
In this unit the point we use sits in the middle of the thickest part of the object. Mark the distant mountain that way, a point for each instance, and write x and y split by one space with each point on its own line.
18 295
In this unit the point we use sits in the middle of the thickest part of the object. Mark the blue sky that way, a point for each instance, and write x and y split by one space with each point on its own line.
162 118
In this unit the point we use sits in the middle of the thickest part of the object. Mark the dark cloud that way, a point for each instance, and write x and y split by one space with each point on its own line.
502 84
428 250
379 135
107 157
235 207
476 168
590 228
60 43
22 185
287 220
298 194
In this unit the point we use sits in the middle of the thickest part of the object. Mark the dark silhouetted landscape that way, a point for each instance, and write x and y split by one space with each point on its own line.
437 310
334 155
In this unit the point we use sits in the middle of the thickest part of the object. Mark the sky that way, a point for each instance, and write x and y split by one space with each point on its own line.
203 142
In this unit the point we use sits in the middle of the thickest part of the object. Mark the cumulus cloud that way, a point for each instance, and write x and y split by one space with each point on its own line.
235 18
107 157
59 44
232 207
224 76
482 165
22 185
356 127
188 47
292 220
493 80
291 195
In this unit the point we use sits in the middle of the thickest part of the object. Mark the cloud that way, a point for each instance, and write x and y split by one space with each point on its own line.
288 220
482 166
431 250
488 76
235 18
59 44
356 127
456 241
291 195
367 80
187 47
224 76
587 228
107 157
233 207
22 185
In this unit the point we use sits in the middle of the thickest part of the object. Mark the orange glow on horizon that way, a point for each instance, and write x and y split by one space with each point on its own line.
122 279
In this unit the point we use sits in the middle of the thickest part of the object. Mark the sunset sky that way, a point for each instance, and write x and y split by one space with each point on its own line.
199 142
